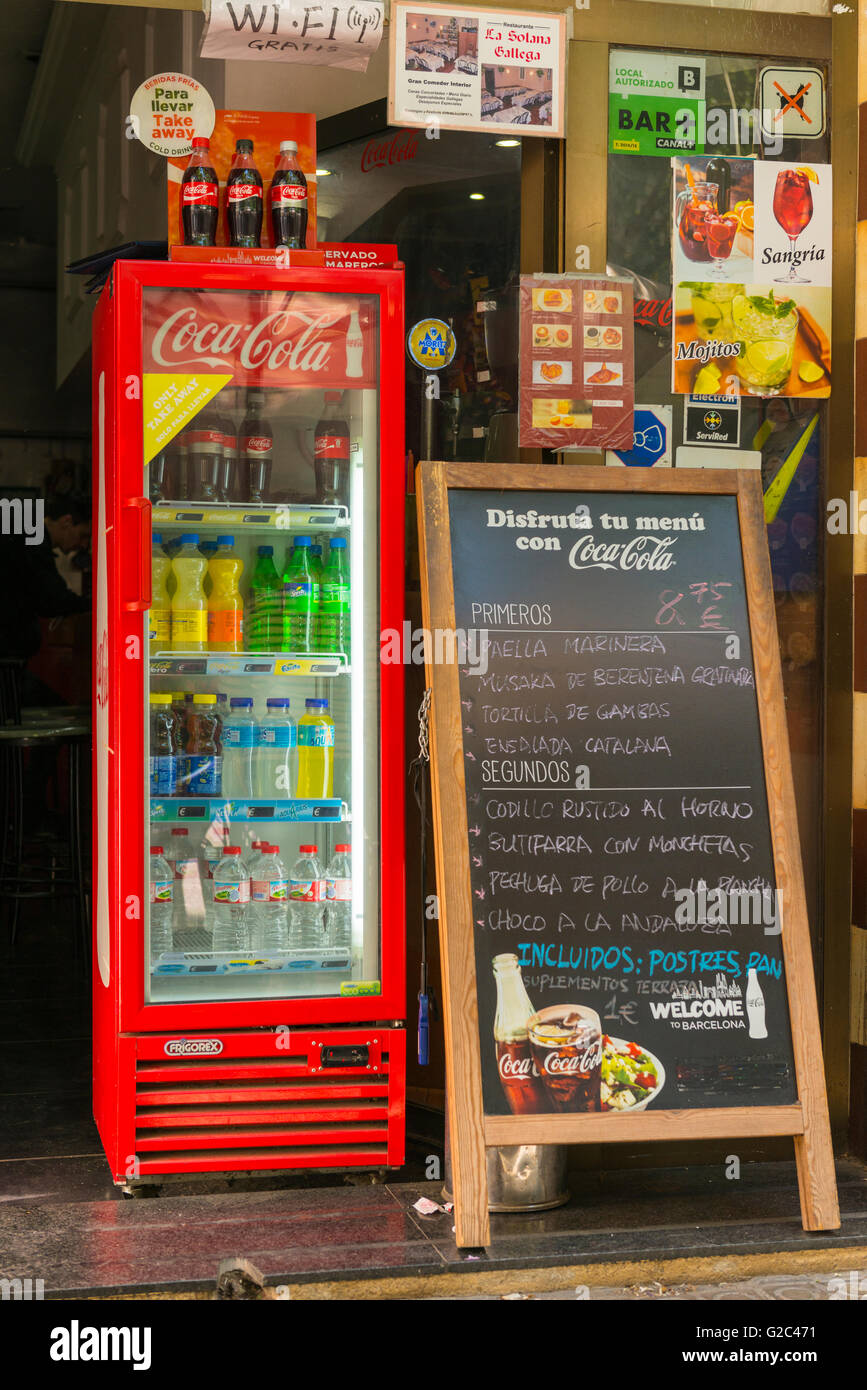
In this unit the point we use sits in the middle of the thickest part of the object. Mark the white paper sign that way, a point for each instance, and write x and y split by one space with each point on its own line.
463 68
337 35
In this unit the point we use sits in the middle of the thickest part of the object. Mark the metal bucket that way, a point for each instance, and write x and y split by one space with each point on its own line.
521 1177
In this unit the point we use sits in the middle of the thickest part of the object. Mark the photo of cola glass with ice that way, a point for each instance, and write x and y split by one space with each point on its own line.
566 1043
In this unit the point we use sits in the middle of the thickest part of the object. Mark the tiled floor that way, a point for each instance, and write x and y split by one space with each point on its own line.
63 1221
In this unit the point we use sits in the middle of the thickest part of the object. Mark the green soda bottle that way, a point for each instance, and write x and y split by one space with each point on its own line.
265 623
334 607
300 600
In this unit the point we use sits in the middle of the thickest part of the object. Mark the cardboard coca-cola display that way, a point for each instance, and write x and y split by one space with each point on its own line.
266 129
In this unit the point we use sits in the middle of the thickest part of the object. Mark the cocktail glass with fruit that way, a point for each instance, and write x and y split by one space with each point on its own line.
720 234
793 209
765 327
712 309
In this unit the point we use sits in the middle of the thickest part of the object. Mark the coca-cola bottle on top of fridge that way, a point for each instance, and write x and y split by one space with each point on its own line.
257 446
288 199
331 451
522 1088
200 197
244 198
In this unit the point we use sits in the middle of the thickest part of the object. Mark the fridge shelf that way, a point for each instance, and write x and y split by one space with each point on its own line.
207 809
292 516
250 962
248 664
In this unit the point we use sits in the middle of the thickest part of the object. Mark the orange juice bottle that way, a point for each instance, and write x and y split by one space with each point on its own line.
225 605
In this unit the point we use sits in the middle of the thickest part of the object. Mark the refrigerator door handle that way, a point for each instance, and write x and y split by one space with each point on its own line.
136 542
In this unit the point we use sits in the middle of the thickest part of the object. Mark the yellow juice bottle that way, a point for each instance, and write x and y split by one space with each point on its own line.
189 605
160 616
315 751
225 605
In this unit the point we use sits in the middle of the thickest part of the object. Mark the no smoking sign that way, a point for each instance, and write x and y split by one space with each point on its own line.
792 102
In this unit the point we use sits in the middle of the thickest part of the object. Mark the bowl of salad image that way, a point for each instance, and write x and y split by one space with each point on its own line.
631 1076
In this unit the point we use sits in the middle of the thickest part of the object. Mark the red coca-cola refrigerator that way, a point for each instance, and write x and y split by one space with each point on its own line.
248 1017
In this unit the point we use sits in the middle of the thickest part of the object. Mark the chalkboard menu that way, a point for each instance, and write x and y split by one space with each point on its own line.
614 785
625 944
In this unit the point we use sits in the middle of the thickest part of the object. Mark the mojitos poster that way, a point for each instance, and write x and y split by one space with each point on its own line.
470 69
751 252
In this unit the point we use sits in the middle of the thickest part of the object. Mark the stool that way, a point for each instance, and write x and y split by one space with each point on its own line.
11 677
63 873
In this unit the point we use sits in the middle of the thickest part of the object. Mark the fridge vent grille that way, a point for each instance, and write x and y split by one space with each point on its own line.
209 1114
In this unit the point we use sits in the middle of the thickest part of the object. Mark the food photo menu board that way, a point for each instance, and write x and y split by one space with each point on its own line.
576 364
622 915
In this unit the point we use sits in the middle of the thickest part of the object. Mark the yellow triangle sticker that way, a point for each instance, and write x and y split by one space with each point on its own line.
171 399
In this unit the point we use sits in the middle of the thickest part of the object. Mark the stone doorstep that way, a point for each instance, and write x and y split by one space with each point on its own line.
611 1274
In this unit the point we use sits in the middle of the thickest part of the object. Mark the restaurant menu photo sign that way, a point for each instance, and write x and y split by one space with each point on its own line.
751 253
472 69
576 365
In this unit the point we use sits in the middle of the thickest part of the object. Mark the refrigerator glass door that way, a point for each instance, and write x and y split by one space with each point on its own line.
261 704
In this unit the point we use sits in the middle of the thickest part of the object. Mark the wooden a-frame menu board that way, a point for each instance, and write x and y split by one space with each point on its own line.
624 937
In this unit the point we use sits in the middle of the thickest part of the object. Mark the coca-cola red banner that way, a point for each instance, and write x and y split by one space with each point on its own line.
264 338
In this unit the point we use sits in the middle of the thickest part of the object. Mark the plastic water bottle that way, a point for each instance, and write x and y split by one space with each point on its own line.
269 908
338 897
274 757
240 732
231 901
215 840
189 898
306 900
162 886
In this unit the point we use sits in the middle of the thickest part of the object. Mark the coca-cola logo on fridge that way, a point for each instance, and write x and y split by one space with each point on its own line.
270 339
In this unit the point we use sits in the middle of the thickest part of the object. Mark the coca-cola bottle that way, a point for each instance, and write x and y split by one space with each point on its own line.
331 452
228 483
257 446
204 441
524 1092
244 198
200 197
176 467
288 199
